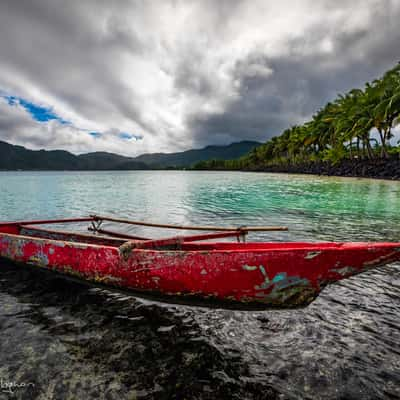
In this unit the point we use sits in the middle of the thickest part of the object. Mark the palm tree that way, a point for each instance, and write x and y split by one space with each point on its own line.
387 110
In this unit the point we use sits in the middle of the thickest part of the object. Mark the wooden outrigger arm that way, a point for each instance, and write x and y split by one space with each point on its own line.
98 218
96 222
194 228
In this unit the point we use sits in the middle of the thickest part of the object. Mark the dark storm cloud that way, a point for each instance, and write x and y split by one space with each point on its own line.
183 73
304 79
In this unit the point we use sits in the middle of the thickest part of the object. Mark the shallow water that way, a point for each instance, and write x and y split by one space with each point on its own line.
66 340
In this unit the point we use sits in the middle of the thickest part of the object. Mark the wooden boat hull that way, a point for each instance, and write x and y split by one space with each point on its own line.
230 275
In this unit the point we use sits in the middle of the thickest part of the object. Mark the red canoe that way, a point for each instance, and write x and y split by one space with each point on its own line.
181 270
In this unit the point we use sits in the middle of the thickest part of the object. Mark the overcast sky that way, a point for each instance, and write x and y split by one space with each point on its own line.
149 76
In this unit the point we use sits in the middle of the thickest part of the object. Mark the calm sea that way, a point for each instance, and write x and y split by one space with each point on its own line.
63 340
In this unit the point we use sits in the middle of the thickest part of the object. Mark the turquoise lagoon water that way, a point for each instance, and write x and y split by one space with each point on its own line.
314 208
72 341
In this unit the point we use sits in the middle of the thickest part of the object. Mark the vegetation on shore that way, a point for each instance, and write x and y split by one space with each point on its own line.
355 127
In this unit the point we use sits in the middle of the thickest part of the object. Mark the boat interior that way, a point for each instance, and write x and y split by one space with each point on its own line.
103 237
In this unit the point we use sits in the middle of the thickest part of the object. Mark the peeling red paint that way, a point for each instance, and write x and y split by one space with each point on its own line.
242 275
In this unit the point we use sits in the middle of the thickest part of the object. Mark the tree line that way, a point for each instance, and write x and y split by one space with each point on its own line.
356 125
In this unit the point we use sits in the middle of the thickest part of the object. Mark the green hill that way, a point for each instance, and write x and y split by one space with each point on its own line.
17 157
190 157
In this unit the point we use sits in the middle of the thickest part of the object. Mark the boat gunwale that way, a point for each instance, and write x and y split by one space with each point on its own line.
81 245
245 247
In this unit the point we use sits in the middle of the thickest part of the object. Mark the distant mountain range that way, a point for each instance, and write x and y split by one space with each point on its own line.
17 157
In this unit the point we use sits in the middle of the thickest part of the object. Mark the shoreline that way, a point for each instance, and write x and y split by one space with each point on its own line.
387 169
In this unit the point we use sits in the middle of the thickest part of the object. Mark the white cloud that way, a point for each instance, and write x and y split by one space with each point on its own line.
183 73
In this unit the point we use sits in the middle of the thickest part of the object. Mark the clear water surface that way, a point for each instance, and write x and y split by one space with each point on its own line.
72 341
